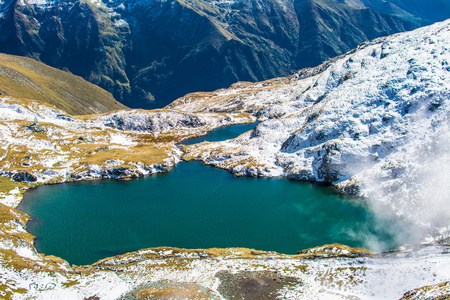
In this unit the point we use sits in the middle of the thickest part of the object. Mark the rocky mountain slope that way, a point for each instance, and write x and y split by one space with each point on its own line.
74 36
424 10
369 122
372 122
148 53
25 78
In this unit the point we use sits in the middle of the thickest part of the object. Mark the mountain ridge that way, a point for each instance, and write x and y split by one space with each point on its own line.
148 53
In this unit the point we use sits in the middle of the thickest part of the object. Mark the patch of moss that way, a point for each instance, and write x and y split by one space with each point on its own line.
146 154
70 283
8 292
8 214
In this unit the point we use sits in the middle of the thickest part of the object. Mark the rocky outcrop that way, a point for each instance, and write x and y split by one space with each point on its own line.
151 122
24 177
439 291
122 172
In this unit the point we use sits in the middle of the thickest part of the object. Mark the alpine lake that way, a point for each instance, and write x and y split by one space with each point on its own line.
196 206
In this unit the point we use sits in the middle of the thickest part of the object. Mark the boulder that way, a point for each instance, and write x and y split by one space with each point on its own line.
24 177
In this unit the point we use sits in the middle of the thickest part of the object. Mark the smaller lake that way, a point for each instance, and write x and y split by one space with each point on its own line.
196 206
221 133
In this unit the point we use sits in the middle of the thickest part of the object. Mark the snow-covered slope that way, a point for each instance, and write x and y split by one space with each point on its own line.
373 122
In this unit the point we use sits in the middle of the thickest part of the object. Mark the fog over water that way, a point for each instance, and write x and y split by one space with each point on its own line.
419 190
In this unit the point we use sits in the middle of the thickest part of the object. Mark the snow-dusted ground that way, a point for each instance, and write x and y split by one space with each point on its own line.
59 142
380 277
372 122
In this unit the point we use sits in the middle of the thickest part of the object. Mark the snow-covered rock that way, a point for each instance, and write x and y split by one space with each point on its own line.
373 122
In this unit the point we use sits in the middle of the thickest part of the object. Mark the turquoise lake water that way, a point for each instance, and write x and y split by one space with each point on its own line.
196 206
221 133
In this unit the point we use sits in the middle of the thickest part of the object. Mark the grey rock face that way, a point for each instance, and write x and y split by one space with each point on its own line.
24 177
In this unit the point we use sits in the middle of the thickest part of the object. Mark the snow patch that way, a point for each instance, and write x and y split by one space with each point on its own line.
11 199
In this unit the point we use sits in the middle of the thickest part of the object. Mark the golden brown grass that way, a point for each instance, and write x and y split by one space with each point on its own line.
28 79
146 154
6 185
9 292
440 290
186 291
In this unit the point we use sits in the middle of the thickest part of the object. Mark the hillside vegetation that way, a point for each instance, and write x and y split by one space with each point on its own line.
25 78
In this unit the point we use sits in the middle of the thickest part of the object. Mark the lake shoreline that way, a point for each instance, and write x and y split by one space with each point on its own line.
260 199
